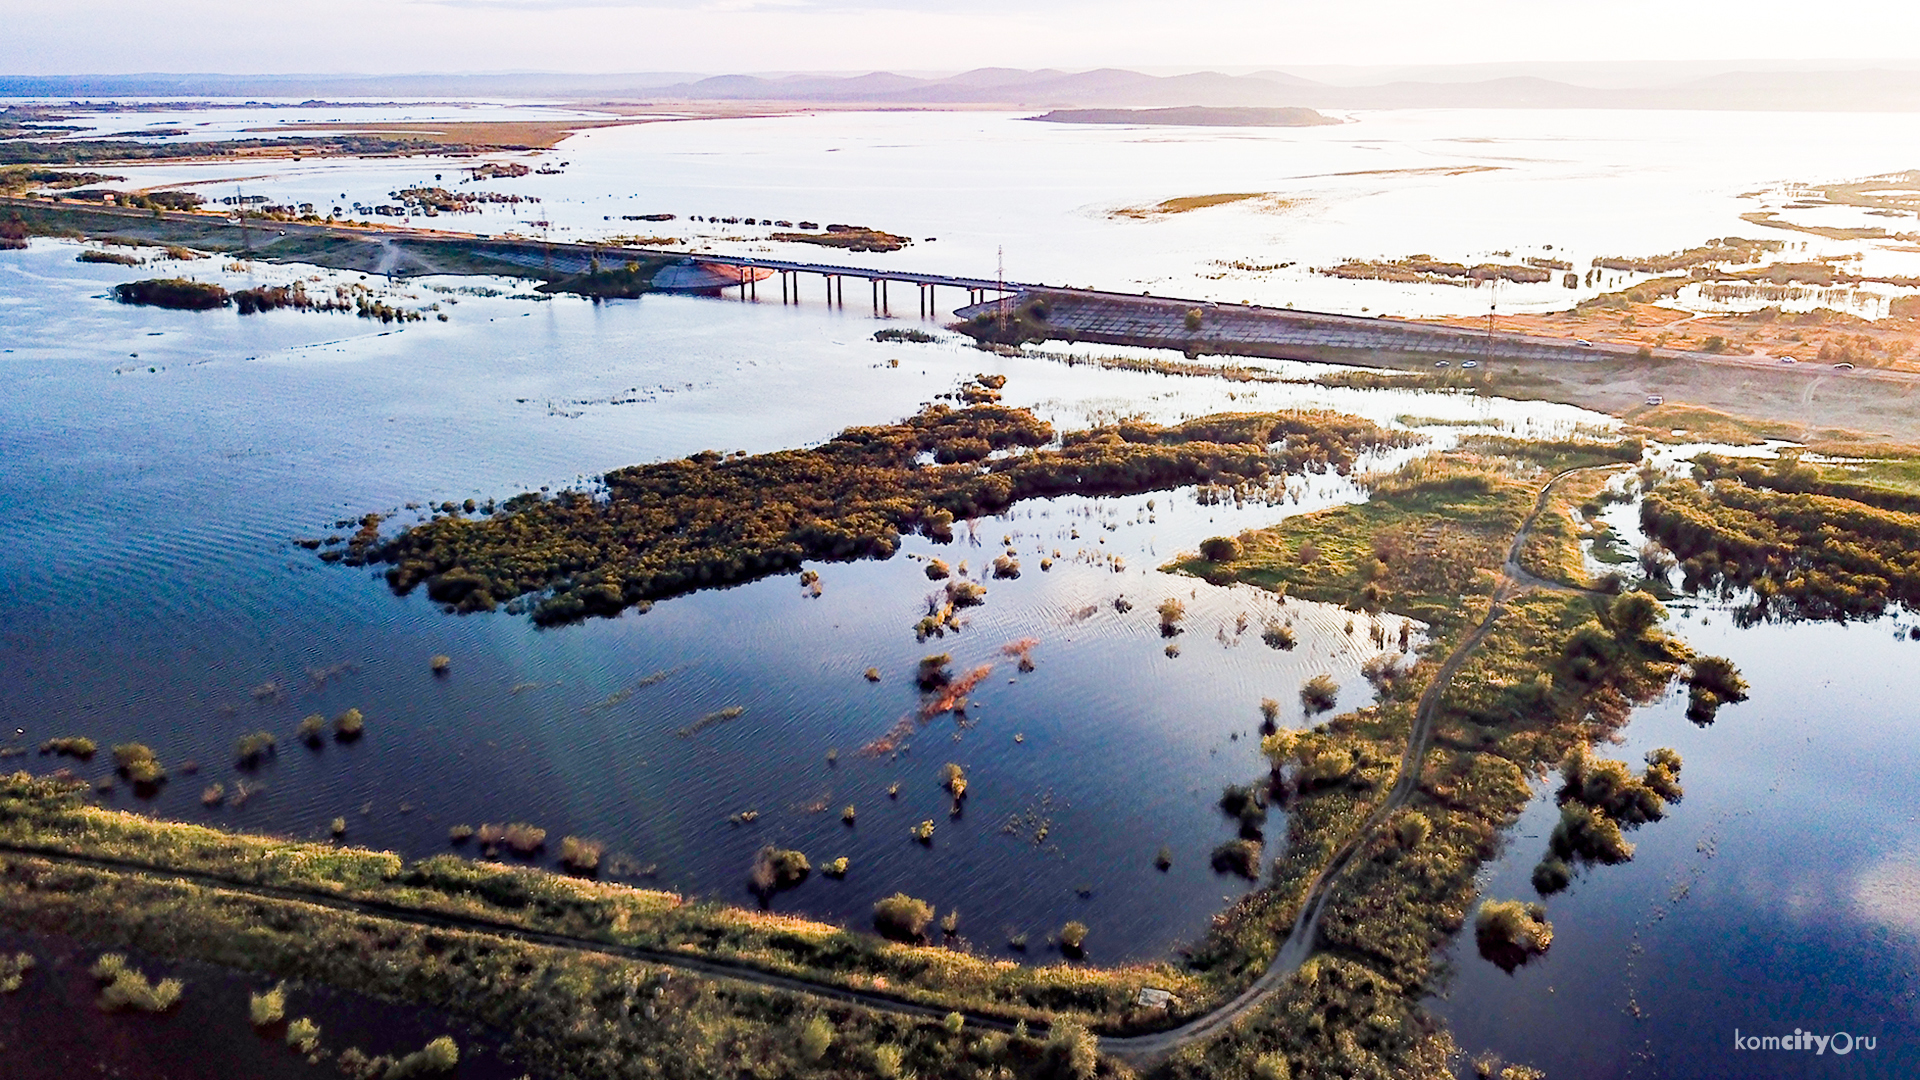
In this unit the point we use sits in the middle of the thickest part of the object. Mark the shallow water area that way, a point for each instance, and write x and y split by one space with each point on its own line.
158 597
1066 204
208 1034
1779 894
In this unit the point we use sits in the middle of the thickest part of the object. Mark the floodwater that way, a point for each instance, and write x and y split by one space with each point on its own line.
159 466
51 1028
1781 894
978 190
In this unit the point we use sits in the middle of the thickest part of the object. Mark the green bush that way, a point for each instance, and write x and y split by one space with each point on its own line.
13 971
304 1036
1240 857
902 918
138 764
1319 693
267 1009
438 1056
1220 549
1511 932
776 868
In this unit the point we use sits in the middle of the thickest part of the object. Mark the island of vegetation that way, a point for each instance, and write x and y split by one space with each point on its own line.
710 520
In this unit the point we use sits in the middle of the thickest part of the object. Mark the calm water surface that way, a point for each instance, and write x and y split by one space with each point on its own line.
159 464
1783 892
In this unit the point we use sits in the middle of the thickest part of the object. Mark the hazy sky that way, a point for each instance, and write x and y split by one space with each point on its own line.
390 36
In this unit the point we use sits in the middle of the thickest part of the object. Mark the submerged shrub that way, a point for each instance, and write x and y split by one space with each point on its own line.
1240 857
938 570
127 988
137 763
1586 833
1718 676
923 832
265 1010
933 671
304 1036
73 747
902 918
1510 932
251 749
13 971
836 868
954 779
1073 939
1171 612
1551 875
313 730
1319 693
581 856
523 838
777 868
1277 635
349 725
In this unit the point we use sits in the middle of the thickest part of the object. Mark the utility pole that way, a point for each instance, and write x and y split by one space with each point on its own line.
1000 279
1492 303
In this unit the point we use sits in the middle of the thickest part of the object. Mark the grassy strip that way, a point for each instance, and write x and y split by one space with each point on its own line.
565 1014
43 815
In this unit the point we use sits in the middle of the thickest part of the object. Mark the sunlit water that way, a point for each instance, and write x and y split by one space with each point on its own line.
1460 185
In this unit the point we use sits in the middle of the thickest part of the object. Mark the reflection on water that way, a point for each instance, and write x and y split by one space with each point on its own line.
158 596
1780 893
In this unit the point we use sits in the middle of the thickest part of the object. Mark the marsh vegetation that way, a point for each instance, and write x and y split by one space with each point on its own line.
673 527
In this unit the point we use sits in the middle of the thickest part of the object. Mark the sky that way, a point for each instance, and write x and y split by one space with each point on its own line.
715 36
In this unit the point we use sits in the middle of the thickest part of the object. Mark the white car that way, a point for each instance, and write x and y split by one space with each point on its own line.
1788 360
1843 366
1442 363
1583 343
1656 399
1471 364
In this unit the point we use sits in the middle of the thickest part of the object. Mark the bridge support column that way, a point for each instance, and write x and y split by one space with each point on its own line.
874 283
885 308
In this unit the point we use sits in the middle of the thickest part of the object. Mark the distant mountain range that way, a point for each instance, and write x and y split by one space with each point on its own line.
1880 89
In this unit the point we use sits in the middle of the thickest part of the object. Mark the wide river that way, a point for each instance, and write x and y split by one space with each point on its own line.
157 467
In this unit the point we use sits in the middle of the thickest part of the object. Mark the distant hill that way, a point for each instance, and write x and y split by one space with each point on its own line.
1192 116
1891 88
